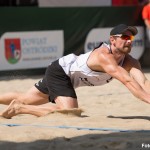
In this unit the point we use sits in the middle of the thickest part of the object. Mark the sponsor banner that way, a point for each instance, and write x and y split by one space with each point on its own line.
98 35
73 3
25 50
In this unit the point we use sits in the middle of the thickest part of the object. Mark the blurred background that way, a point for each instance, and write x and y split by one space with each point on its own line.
33 33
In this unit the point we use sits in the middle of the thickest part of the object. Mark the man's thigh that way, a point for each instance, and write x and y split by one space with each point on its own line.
34 97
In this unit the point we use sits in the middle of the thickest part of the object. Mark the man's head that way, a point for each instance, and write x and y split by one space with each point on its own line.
121 37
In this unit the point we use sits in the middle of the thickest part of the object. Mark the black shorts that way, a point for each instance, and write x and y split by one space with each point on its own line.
56 83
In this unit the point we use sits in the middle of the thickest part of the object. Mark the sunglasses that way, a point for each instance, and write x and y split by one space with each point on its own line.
125 37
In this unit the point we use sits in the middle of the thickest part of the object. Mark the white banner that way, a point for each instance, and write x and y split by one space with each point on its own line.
25 50
98 35
73 3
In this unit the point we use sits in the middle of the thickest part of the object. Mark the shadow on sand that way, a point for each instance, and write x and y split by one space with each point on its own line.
109 141
131 117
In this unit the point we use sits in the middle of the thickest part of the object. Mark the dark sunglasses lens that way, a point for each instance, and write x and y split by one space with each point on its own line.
127 37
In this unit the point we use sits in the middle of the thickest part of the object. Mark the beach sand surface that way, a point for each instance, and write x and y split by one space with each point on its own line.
112 119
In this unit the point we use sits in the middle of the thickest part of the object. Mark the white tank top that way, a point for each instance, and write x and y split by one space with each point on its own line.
80 74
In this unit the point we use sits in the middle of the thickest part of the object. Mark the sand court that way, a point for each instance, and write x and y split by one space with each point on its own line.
110 117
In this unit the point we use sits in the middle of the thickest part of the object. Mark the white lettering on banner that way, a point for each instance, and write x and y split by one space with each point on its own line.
23 50
98 35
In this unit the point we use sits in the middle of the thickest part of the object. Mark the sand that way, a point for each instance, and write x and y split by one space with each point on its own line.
112 119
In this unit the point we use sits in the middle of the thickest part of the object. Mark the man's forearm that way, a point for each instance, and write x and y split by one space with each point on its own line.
138 91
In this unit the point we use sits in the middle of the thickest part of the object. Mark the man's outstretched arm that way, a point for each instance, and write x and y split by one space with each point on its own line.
111 67
140 77
133 85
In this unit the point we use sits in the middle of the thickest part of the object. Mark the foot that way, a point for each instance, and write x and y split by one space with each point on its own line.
11 110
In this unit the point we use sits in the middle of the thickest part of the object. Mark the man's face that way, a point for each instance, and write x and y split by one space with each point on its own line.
123 42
